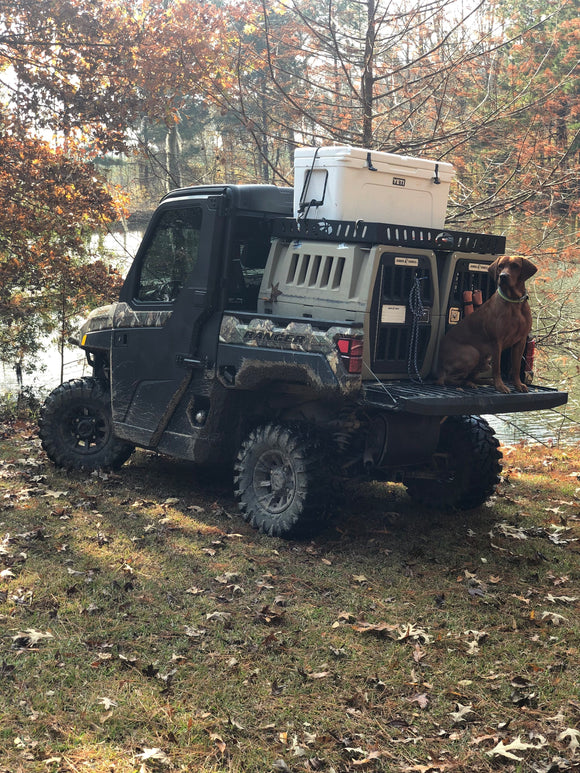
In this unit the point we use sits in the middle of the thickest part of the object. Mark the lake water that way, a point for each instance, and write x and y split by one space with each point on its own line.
557 427
554 427
123 245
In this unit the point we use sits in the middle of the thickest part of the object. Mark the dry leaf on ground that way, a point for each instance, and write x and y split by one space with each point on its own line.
507 750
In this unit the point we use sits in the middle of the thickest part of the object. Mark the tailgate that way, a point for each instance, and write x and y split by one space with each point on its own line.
434 400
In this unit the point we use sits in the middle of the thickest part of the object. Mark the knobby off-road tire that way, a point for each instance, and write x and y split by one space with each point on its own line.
76 427
473 466
280 481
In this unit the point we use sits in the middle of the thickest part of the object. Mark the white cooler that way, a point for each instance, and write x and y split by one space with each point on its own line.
345 183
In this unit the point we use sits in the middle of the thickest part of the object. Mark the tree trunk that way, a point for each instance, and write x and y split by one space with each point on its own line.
144 160
368 81
62 331
172 158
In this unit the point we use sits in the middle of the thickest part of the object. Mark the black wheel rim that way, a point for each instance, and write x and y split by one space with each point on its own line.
87 430
274 481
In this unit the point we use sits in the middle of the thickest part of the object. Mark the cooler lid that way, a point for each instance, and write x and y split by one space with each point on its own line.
360 158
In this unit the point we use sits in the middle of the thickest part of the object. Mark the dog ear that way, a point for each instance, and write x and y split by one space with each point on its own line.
493 268
528 269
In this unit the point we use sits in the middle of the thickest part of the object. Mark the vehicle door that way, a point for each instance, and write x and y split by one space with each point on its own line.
167 297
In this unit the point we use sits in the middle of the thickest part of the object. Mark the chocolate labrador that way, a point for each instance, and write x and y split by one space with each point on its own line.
502 322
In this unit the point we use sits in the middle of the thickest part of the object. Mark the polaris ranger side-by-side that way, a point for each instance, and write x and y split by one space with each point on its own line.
293 346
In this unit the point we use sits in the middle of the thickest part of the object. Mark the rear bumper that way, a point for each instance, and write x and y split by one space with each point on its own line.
430 399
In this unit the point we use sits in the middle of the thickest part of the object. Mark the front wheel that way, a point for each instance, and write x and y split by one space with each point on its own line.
466 466
76 427
279 477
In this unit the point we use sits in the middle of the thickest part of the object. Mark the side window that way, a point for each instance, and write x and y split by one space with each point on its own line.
171 256
250 254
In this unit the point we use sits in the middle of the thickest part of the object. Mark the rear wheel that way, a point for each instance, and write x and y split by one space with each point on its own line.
279 480
76 427
466 466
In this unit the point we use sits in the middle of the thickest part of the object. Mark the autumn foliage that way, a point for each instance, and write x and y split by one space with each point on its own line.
214 91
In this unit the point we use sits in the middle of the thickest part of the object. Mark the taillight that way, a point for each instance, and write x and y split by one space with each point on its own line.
351 353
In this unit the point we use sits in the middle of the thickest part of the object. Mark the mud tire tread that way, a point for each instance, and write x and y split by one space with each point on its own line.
88 395
307 512
475 449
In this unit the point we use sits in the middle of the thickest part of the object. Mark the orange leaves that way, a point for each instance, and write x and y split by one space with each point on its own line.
52 205
187 51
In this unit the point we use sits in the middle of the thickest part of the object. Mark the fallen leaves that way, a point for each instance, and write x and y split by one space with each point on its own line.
270 616
218 741
366 757
555 534
422 699
523 692
462 714
55 494
193 632
30 638
397 632
415 632
219 616
508 750
264 635
344 617
561 599
155 755
318 674
195 591
475 638
108 703
574 738
380 629
227 578
507 530
553 617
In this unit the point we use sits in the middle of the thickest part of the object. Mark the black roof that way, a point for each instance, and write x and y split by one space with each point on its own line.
258 198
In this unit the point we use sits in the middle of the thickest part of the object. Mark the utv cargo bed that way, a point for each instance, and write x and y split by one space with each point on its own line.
430 399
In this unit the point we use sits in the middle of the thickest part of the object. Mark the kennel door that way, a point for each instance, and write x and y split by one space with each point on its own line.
402 329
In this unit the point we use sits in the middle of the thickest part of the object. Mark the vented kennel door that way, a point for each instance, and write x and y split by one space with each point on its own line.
469 283
401 327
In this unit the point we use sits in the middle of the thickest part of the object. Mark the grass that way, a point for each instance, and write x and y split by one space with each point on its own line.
145 626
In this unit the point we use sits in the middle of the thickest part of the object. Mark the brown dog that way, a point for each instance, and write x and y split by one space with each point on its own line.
502 322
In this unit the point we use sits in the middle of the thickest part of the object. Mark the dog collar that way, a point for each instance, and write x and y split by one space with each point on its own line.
510 300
